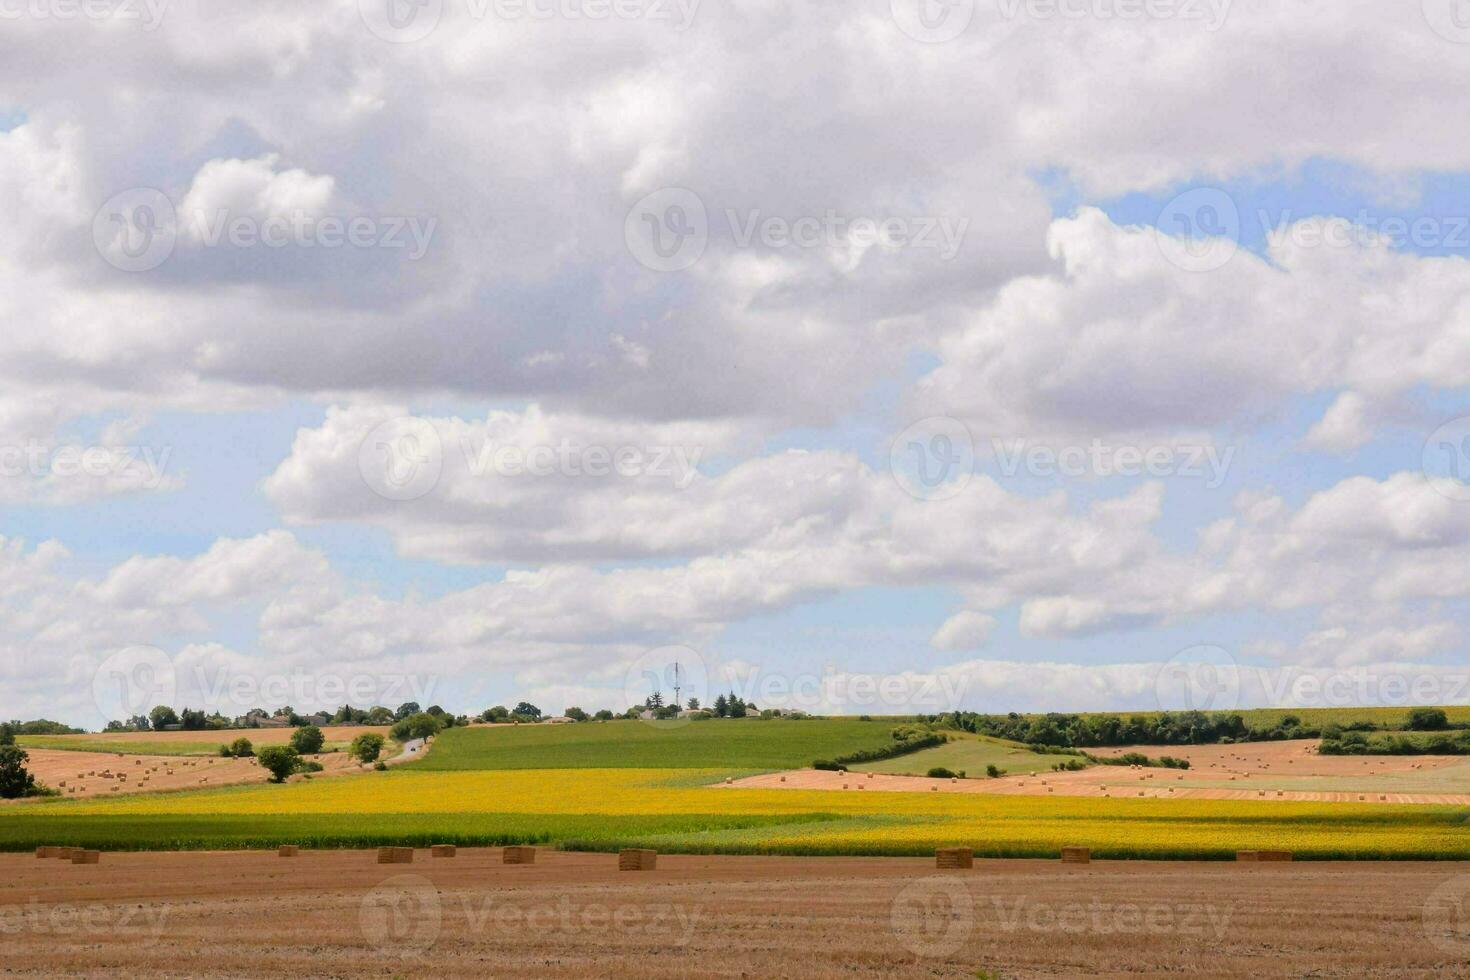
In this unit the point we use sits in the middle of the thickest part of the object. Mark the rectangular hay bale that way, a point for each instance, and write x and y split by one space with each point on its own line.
1259 857
954 858
443 851
518 855
79 856
288 850
1076 855
395 855
637 859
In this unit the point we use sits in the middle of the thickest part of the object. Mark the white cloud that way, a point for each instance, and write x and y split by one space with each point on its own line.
963 631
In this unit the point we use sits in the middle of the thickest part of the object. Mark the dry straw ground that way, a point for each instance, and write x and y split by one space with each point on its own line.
575 915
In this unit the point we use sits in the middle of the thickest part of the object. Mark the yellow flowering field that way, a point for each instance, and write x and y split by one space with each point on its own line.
687 810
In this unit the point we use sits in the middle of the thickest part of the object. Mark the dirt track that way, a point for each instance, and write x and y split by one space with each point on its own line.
1258 771
575 915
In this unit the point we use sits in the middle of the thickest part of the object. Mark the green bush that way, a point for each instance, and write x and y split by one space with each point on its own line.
241 748
994 771
279 760
366 747
15 780
308 740
939 772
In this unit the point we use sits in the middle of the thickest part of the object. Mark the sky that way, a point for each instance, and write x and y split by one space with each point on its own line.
860 357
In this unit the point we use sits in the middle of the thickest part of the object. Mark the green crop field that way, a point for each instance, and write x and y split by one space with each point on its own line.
664 789
747 744
968 754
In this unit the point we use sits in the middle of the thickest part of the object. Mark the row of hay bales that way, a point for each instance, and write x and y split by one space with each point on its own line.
961 858
76 855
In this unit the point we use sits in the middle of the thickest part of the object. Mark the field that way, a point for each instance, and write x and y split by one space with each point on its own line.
574 915
185 743
1386 718
456 795
968 754
737 744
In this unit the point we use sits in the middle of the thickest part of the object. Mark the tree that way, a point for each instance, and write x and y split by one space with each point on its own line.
380 716
279 760
604 715
655 700
308 740
529 710
576 714
241 748
366 747
497 714
161 717
722 707
421 725
192 720
1428 720
7 734
406 709
694 704
15 780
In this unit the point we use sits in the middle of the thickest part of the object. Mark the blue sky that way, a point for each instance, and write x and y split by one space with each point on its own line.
583 283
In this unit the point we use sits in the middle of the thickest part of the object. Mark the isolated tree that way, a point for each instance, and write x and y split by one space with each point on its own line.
279 760
308 740
15 780
241 748
161 717
529 710
694 704
406 709
366 747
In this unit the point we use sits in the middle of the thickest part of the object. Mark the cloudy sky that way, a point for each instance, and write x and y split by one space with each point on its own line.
863 355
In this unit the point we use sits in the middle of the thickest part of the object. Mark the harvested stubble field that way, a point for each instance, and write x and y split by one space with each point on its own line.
574 915
187 743
1284 771
85 774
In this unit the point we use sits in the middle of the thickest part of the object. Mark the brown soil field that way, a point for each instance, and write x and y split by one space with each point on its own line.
1266 770
340 914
